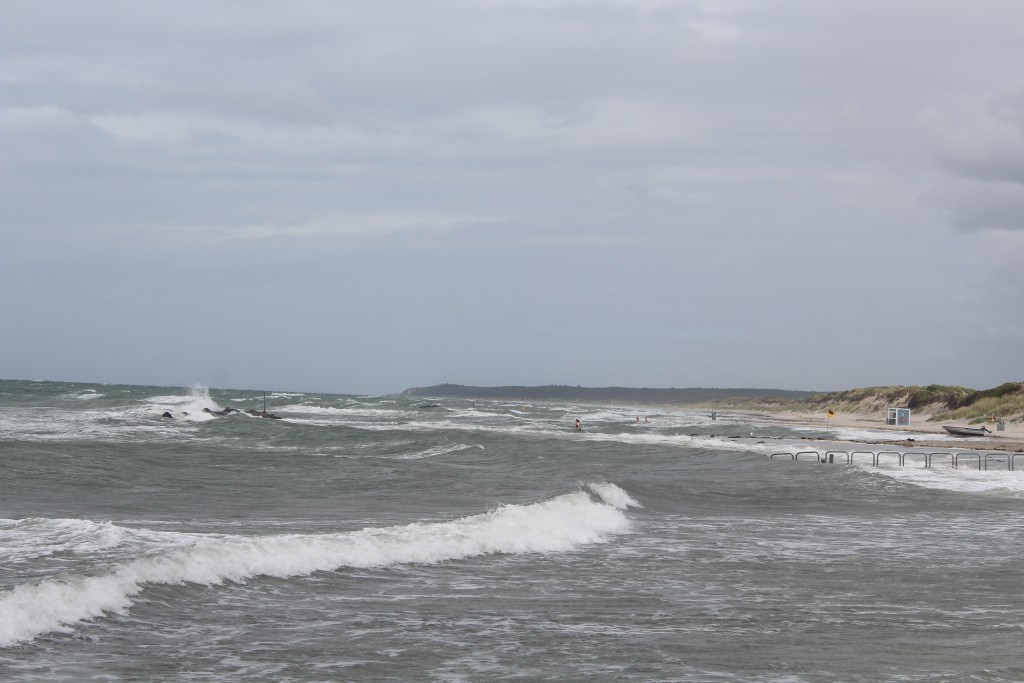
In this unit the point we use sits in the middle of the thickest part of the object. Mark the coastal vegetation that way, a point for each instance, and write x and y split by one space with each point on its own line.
936 401
1004 401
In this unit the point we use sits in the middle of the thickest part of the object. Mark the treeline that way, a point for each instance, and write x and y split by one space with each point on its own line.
562 392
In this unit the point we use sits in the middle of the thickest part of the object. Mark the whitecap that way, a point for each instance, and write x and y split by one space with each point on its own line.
557 525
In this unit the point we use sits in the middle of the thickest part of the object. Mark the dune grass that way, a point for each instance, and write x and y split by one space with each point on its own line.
942 402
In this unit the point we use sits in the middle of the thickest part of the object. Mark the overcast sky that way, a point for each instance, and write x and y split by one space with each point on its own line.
360 197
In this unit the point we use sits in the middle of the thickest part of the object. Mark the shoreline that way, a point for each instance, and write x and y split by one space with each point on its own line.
1010 439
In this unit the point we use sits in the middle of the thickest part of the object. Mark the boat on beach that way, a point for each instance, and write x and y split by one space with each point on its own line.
967 431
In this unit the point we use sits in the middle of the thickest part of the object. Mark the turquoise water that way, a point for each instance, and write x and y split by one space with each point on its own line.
370 538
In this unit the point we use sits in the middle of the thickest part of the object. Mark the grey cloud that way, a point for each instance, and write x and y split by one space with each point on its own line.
978 206
685 178
981 151
1009 108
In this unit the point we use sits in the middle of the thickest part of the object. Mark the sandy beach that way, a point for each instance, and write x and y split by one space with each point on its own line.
1011 438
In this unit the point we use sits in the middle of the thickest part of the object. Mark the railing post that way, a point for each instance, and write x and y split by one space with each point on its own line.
830 454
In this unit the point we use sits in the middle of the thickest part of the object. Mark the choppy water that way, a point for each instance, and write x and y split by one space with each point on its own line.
371 539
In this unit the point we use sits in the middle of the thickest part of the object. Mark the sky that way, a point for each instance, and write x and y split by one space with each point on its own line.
356 197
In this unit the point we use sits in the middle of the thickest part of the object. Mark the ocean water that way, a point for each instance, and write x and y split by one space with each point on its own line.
369 538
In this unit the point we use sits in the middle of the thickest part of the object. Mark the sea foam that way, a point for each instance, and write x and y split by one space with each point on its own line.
557 525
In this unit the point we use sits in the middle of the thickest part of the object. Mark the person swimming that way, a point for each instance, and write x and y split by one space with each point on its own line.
579 425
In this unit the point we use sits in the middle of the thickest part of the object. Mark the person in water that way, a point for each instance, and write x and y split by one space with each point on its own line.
579 425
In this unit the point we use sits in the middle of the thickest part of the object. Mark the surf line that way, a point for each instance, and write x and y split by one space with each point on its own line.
593 514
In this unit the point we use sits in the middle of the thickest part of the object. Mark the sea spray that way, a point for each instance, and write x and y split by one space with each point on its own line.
190 406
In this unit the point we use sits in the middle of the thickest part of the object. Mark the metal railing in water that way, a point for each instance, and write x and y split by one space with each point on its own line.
980 460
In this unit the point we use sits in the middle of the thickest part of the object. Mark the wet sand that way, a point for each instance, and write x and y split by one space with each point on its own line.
909 436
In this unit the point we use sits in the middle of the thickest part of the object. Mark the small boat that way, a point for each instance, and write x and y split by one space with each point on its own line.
967 431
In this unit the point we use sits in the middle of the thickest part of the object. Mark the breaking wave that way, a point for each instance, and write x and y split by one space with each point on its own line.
590 515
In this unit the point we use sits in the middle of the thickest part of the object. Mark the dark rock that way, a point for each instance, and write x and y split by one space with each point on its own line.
225 411
262 413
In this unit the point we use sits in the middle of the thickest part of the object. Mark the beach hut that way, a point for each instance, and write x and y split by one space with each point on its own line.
898 416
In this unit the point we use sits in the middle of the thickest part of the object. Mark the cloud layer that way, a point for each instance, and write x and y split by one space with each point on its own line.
352 197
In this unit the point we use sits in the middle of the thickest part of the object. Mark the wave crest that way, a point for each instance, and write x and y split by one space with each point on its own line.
556 525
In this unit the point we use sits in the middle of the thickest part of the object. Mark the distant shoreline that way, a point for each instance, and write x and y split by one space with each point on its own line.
557 392
1006 401
1011 438
859 408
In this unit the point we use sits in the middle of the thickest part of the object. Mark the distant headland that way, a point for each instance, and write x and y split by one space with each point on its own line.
559 392
937 402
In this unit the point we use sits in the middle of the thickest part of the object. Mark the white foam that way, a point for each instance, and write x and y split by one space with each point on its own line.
860 435
474 413
966 478
702 441
614 496
198 398
613 416
33 424
84 395
38 537
556 525
350 411
440 449
962 479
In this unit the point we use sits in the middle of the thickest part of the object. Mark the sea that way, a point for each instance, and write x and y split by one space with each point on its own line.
402 538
